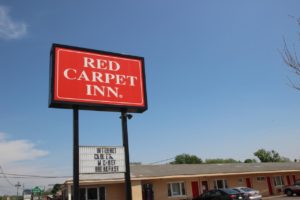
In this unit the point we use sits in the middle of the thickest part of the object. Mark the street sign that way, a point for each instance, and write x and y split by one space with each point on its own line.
37 191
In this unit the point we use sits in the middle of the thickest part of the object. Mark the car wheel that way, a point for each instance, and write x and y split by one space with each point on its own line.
289 193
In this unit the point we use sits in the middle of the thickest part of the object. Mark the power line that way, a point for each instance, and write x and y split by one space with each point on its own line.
160 161
5 177
31 176
6 187
12 175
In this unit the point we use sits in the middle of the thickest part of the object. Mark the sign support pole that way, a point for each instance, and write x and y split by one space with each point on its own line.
124 116
75 154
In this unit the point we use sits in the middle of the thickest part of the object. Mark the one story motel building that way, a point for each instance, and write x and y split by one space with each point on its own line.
185 181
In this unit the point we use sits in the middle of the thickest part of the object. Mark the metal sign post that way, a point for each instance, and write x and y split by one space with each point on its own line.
75 154
124 117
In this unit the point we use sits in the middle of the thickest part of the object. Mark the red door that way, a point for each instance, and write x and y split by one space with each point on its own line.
195 189
294 179
288 180
248 182
270 186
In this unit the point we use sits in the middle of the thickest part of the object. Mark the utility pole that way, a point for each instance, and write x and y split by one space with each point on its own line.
17 186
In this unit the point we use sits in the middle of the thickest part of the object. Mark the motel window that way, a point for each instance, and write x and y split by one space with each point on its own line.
92 193
176 189
278 181
240 181
220 184
260 178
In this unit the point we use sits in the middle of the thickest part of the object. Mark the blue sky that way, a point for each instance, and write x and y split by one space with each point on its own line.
217 86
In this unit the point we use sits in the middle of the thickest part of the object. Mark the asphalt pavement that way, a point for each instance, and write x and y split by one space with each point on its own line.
281 197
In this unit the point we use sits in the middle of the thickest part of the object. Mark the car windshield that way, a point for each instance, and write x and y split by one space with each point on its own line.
230 191
247 189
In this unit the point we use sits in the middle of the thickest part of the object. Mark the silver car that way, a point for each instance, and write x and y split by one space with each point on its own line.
249 193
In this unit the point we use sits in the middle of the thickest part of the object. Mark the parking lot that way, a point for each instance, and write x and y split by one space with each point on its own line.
282 197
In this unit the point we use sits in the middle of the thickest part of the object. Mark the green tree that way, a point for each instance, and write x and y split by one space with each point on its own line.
186 159
55 189
221 160
250 161
285 159
270 156
263 155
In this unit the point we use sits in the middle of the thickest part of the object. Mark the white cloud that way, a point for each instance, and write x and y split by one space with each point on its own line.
18 150
34 169
16 157
21 157
10 29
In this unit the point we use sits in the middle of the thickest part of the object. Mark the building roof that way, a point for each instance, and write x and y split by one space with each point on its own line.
198 170
150 172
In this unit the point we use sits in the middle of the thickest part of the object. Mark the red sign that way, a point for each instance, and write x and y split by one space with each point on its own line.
97 80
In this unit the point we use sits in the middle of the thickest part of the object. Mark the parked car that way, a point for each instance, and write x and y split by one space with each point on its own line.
290 190
220 194
249 193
